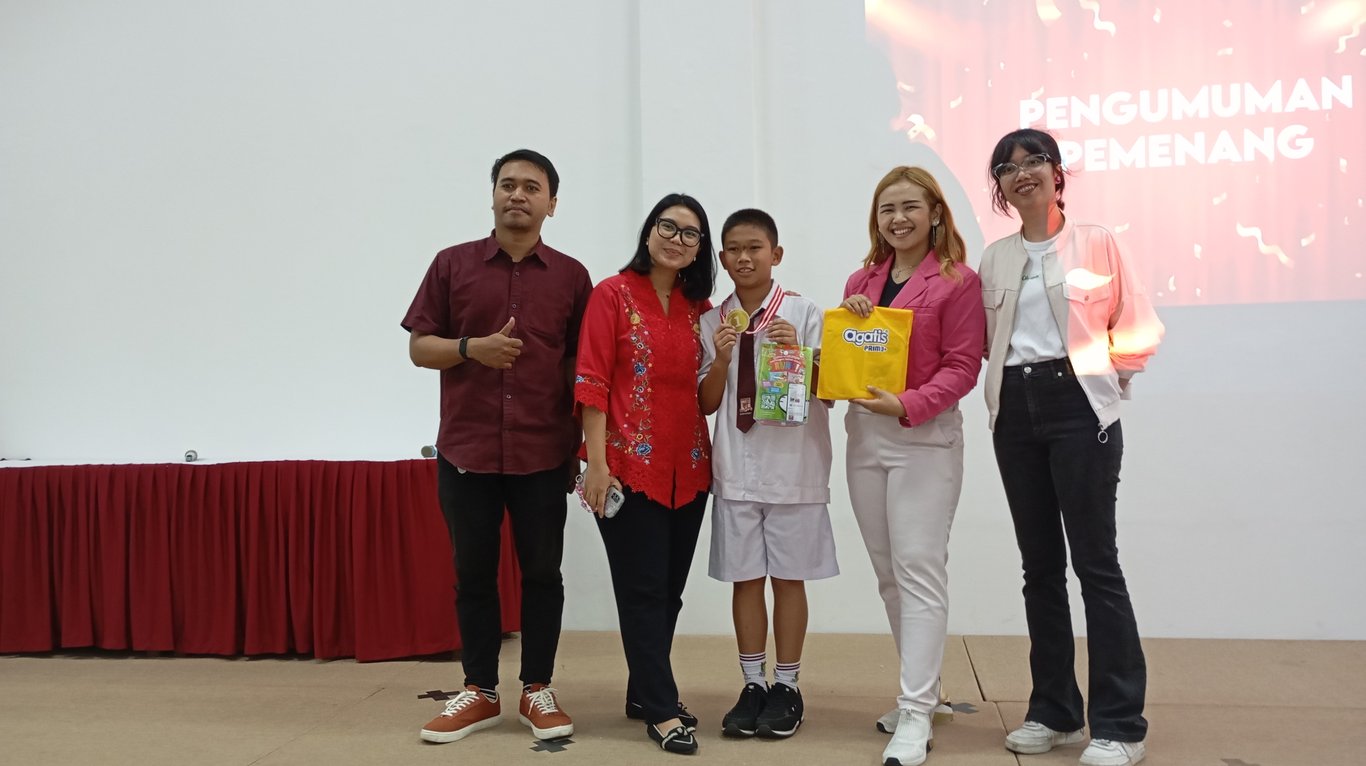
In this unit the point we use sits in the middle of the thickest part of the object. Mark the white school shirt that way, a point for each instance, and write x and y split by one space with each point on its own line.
770 463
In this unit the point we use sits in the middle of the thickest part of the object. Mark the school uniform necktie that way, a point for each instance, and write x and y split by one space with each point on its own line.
745 382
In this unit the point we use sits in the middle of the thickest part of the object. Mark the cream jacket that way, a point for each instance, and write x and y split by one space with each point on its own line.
1106 320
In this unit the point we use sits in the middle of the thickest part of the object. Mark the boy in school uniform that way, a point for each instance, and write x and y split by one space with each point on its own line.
770 518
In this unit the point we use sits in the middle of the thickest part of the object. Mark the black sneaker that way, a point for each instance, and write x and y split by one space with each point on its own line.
743 719
782 712
636 712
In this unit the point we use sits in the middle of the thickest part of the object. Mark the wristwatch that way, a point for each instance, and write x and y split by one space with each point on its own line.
464 348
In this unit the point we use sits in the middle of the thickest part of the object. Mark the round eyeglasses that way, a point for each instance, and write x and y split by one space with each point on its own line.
667 229
1032 162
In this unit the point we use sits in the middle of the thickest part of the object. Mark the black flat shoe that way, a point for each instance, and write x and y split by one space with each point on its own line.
676 740
636 712
689 720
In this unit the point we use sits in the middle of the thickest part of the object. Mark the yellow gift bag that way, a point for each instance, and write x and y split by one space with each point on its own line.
857 353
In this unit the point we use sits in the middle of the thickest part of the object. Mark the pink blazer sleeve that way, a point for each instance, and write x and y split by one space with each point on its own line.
963 328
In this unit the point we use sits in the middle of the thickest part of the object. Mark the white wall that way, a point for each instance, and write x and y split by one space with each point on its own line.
211 222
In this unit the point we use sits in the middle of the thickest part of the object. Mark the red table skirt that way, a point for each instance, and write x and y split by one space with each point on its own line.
332 559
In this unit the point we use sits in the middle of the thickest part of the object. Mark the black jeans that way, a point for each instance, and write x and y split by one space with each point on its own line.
473 504
649 551
1060 473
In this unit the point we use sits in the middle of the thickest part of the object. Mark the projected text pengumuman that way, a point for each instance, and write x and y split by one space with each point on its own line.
1167 105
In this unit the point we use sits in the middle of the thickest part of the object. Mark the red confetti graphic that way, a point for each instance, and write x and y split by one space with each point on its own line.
1192 125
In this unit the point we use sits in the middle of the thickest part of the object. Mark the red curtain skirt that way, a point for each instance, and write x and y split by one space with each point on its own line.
332 559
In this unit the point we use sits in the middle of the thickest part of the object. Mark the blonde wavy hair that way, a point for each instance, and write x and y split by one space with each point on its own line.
945 240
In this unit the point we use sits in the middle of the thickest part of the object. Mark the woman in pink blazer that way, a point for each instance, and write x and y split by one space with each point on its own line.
904 461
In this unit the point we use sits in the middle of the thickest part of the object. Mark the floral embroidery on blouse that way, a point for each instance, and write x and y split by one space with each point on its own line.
657 440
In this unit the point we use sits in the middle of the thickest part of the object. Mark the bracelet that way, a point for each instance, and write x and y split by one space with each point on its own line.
464 348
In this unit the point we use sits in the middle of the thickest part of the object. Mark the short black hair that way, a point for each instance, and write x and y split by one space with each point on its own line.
699 277
751 217
1035 142
535 158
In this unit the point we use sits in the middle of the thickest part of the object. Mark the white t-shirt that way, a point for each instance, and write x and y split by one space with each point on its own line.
1036 337
769 463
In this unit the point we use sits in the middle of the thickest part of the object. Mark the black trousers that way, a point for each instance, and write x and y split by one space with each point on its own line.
1061 472
473 505
649 551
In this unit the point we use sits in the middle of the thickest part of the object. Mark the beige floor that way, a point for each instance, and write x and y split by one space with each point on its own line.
1221 703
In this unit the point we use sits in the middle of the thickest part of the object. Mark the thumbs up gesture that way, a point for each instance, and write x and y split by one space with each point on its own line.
498 350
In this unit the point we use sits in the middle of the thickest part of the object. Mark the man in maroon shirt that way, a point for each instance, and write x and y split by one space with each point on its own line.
499 317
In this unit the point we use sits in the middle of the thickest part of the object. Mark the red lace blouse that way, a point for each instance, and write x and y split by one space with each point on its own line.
639 366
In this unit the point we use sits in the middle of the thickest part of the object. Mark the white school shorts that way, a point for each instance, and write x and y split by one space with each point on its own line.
790 541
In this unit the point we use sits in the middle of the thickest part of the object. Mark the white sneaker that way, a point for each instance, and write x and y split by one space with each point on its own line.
912 740
1107 752
1034 738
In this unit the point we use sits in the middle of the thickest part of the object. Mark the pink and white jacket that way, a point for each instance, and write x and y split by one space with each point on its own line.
1103 314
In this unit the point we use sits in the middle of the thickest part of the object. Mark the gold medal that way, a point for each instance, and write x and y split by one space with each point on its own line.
738 318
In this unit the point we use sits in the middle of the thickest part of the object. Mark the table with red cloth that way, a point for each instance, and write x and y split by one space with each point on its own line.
331 559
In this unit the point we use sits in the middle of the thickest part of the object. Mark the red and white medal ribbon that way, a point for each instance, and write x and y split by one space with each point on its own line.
770 311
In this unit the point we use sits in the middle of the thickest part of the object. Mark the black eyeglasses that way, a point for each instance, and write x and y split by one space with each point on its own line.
667 229
1032 162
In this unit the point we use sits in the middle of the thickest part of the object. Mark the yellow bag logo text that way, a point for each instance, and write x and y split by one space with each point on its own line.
857 352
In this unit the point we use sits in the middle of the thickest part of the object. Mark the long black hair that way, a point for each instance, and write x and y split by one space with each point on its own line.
1035 142
699 277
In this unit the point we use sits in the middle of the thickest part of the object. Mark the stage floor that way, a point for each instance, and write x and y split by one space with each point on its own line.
1215 702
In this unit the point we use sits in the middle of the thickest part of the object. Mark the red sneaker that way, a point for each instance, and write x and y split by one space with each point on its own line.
541 711
468 712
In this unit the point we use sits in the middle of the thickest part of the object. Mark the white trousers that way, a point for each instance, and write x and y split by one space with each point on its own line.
904 485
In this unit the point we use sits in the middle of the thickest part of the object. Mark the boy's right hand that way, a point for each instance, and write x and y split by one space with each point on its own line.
859 304
724 338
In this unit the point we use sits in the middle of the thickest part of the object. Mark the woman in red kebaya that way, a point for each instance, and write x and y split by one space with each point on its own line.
644 434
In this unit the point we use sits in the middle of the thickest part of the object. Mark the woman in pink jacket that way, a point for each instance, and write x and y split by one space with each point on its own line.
904 461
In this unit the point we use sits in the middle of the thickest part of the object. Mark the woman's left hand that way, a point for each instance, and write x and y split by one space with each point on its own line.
781 332
882 402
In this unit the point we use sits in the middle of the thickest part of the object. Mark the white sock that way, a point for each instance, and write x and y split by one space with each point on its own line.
752 665
786 673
